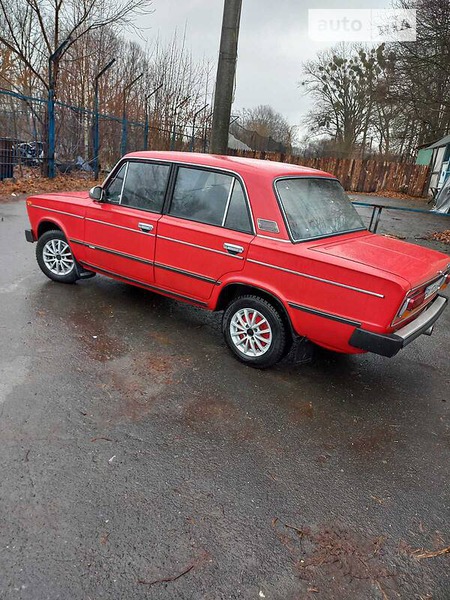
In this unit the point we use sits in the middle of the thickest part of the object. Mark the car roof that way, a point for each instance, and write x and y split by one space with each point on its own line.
233 163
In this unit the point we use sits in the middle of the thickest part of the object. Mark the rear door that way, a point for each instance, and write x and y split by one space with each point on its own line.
205 233
120 232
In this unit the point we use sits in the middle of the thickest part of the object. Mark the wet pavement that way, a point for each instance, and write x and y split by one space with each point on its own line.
139 459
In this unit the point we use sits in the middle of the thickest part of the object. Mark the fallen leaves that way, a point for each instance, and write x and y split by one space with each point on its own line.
33 183
441 236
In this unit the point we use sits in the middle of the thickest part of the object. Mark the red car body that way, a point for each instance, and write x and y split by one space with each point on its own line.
342 291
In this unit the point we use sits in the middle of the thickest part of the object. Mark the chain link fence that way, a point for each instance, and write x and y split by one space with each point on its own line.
24 129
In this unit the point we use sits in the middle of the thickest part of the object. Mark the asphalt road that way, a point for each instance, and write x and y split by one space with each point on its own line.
139 459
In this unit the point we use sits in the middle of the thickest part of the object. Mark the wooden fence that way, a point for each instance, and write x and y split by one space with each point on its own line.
358 175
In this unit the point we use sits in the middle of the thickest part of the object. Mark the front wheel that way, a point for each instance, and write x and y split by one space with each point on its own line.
55 257
254 331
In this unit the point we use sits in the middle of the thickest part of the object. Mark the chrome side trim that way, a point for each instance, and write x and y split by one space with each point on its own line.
325 315
119 226
187 273
143 284
61 212
268 237
336 283
114 252
163 237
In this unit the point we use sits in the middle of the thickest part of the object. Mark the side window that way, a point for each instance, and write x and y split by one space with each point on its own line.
114 190
237 216
145 186
201 195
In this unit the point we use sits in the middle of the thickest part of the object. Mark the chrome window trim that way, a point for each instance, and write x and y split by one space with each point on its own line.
164 237
285 219
120 227
61 212
268 237
178 163
227 205
123 182
321 279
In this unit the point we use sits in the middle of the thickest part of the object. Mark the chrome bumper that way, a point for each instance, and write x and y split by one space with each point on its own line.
390 344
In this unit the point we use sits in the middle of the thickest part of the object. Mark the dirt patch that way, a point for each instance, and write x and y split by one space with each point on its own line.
211 411
378 439
338 562
95 338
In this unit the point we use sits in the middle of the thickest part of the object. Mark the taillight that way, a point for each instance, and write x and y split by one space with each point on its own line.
415 298
411 302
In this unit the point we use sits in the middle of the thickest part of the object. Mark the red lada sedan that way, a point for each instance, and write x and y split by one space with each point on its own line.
279 248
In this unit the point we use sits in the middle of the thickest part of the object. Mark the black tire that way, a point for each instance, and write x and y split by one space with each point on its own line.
271 345
44 244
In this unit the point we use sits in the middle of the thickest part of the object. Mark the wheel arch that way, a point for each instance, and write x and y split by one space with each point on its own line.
231 291
47 224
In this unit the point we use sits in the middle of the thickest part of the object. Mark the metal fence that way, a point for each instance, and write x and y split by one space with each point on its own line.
83 138
86 139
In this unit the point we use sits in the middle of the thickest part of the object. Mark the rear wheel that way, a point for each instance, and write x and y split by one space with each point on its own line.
254 331
55 258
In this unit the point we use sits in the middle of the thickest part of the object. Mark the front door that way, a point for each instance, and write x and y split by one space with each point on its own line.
205 234
120 232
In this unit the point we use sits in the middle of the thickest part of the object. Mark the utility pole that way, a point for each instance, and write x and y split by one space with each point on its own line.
226 71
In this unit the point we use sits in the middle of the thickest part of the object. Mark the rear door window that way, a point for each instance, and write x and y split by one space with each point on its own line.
210 197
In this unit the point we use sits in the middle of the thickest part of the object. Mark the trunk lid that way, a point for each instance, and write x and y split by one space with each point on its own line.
413 263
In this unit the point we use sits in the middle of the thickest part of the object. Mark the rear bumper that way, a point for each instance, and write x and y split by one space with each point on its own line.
29 236
390 344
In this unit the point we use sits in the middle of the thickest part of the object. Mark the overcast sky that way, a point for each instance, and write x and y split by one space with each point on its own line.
273 42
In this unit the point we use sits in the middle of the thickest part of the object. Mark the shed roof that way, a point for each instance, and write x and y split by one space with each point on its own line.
440 143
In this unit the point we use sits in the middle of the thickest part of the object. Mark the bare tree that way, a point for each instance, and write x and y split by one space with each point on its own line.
33 30
257 126
342 82
423 72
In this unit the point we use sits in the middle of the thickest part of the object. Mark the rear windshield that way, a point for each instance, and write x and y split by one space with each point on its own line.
316 207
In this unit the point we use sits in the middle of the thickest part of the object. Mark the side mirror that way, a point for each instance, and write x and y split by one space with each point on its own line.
96 193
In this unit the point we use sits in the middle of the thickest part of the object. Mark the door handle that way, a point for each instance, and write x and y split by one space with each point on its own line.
145 227
233 249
